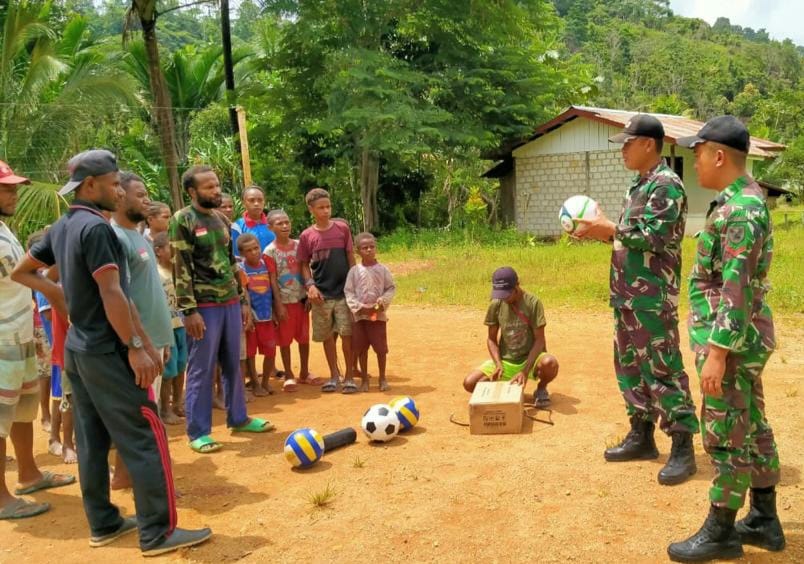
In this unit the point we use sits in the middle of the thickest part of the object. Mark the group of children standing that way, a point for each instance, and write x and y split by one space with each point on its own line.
289 279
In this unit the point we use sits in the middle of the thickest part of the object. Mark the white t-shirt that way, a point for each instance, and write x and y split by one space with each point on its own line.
16 305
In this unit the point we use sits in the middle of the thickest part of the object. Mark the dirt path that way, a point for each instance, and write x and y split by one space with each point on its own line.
437 493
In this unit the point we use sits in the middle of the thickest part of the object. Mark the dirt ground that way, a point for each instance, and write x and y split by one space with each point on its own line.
438 493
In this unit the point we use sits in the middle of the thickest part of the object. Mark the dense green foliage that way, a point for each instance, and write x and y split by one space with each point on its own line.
390 103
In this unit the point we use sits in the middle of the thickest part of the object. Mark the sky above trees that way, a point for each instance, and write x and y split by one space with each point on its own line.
781 18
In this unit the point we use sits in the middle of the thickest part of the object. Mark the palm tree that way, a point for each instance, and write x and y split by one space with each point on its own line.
145 12
194 77
55 91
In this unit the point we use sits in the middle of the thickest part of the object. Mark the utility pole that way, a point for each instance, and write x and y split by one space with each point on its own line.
226 34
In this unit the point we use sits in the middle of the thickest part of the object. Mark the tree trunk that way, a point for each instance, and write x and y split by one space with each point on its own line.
163 112
369 185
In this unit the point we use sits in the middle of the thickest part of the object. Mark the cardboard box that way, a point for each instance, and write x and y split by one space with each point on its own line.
495 408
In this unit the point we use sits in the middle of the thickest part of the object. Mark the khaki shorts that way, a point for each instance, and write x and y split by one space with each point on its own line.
19 385
331 317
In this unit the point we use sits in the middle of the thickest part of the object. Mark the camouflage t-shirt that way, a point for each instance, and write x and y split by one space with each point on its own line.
518 324
729 279
646 255
202 265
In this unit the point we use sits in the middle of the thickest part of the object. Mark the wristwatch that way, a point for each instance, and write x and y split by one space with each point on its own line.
135 342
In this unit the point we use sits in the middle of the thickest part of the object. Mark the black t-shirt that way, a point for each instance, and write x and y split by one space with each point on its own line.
83 244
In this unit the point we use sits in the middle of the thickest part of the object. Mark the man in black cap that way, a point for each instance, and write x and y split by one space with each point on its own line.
516 340
109 361
645 277
732 334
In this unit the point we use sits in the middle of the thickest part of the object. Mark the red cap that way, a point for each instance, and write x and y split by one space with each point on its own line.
7 176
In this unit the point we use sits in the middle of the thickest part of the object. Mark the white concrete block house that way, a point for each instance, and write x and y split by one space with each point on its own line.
571 154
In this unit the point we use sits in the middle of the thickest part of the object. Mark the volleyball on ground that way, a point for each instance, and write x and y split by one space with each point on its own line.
577 207
304 447
406 411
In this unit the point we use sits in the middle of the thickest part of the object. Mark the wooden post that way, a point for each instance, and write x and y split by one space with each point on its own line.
241 126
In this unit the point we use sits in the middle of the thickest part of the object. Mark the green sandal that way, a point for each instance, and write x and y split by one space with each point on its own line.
255 425
205 445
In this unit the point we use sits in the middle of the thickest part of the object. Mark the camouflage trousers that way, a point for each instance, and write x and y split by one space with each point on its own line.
650 371
736 434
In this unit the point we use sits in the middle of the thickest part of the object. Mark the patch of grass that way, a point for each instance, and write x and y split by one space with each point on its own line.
791 393
564 274
322 498
358 462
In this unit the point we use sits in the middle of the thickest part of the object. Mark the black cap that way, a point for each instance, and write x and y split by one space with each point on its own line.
726 130
95 162
641 125
503 282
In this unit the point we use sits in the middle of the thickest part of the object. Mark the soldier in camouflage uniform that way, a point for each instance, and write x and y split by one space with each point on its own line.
731 332
645 272
209 295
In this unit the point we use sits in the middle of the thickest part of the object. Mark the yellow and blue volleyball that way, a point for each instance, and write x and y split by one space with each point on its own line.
304 447
406 410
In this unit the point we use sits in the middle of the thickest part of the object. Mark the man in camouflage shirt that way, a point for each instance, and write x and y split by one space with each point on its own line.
731 332
645 272
209 295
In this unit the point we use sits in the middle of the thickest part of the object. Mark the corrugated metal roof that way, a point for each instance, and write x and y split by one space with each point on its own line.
674 127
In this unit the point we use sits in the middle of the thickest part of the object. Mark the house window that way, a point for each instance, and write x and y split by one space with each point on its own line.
678 166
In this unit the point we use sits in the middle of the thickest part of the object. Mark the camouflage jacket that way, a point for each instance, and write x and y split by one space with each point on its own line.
203 263
646 258
730 277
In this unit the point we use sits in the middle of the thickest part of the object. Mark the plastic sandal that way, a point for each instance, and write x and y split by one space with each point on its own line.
205 445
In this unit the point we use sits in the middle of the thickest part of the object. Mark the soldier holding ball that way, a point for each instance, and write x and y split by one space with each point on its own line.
645 274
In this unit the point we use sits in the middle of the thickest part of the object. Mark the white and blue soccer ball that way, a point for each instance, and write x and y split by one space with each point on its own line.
577 207
380 423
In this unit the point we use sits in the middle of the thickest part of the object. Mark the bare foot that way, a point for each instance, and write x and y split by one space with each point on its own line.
120 482
259 391
384 387
170 418
179 410
46 426
70 456
54 447
217 402
364 383
249 396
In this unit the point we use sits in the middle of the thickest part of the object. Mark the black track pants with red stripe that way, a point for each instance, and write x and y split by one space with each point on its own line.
110 408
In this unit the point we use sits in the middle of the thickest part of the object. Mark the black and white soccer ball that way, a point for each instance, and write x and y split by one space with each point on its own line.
380 423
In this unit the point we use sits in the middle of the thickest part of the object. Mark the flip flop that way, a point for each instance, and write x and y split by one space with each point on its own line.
290 385
22 509
255 425
330 386
350 388
205 445
312 380
49 480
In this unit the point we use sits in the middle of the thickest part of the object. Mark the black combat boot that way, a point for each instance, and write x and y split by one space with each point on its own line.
761 527
638 444
717 539
681 464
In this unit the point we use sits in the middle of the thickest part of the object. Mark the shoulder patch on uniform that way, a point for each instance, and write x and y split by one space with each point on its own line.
736 234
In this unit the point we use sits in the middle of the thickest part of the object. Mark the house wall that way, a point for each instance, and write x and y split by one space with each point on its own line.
577 158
